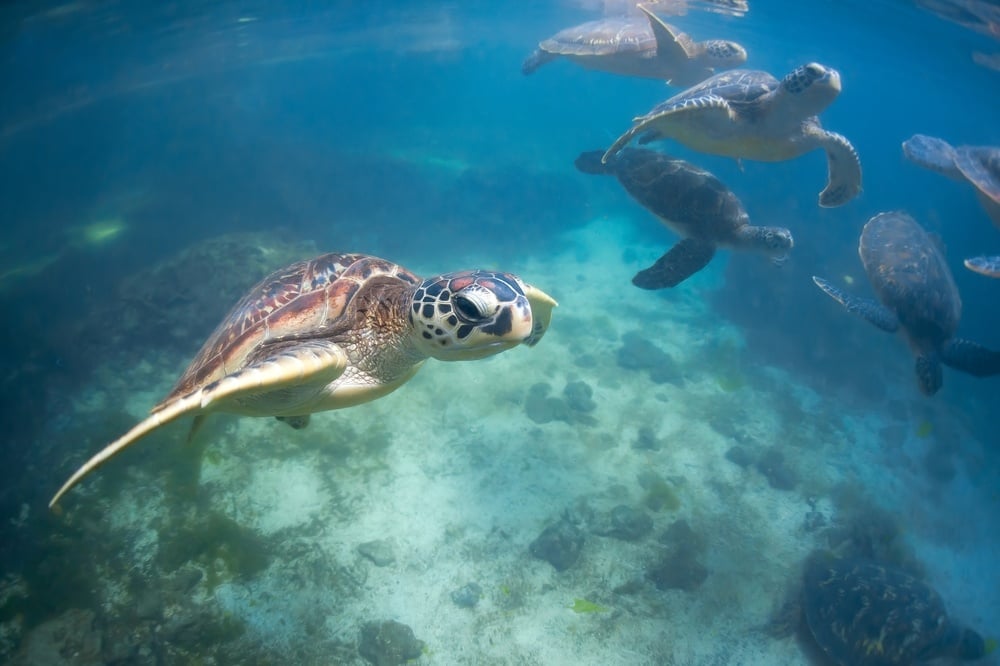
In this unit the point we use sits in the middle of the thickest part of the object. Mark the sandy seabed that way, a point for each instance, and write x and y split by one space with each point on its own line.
452 474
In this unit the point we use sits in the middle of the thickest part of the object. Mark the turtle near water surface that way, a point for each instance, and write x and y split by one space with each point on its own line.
916 293
863 613
336 331
694 204
749 114
638 46
977 165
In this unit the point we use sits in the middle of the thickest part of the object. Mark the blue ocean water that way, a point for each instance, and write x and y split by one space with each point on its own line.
159 158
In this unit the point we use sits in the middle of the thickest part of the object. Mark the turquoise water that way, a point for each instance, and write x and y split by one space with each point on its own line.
158 161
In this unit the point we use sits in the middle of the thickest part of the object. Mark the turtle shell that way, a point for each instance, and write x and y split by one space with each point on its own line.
865 614
736 86
604 37
909 274
300 301
689 200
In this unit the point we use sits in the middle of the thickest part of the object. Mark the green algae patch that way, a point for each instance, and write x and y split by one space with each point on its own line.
660 493
730 382
225 548
584 606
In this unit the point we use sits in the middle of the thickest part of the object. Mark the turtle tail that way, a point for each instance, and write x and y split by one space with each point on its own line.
929 375
590 162
971 358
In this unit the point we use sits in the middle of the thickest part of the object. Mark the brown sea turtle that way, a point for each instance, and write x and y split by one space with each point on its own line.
864 613
337 331
916 293
638 46
749 114
977 165
694 204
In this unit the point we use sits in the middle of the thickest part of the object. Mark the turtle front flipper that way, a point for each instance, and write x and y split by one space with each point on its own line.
932 153
679 263
988 266
843 168
541 313
971 358
869 309
536 60
669 43
267 382
670 117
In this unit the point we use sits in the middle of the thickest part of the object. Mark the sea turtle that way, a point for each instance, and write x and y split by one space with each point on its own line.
917 292
336 331
749 114
977 165
694 204
638 46
864 613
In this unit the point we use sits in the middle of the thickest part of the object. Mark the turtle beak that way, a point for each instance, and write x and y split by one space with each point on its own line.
541 313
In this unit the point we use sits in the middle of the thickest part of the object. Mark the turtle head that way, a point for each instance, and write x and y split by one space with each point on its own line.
970 645
772 241
811 88
776 241
723 54
957 641
474 314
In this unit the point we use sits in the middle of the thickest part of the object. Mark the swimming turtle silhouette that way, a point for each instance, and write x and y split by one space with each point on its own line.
694 204
916 294
337 331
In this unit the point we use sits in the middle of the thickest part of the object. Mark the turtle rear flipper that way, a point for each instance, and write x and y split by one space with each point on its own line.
305 367
971 358
591 162
988 266
296 422
871 310
679 263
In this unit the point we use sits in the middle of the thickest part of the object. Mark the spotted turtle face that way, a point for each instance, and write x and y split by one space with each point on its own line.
723 54
813 87
474 314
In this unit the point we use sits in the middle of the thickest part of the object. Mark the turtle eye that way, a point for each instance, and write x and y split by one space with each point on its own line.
467 308
815 71
475 306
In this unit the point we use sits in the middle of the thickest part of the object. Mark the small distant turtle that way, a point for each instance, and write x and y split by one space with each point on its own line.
749 114
694 204
862 613
638 46
917 292
337 331
977 165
